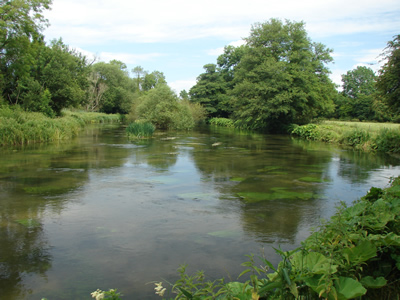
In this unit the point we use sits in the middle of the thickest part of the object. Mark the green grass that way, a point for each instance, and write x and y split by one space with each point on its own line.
384 137
140 129
18 127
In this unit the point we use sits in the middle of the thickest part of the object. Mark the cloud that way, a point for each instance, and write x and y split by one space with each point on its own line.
180 85
220 50
94 21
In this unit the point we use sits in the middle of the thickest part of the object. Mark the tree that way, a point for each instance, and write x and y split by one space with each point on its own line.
140 72
152 80
210 91
358 94
388 82
161 107
281 78
118 89
21 23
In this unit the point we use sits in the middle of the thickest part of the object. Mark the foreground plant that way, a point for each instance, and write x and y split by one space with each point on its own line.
111 294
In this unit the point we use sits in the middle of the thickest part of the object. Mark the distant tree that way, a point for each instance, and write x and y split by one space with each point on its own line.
358 94
281 78
161 107
139 74
184 95
151 80
211 92
118 95
388 82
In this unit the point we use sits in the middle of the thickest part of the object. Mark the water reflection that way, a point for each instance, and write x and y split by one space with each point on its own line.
101 211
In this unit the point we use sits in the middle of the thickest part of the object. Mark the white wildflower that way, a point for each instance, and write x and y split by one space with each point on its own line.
160 290
98 294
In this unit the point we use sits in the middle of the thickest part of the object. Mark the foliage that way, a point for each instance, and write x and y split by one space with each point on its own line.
161 107
388 82
281 78
357 99
18 127
224 122
360 136
140 129
211 92
111 89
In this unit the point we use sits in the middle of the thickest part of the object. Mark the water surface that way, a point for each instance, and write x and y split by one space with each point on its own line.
103 212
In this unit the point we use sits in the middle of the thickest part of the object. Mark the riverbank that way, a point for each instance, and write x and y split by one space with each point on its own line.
18 127
382 137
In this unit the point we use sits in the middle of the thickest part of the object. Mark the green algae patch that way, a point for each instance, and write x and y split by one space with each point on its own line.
29 223
237 179
312 179
277 193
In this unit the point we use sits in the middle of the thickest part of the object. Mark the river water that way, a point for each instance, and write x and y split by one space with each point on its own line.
103 212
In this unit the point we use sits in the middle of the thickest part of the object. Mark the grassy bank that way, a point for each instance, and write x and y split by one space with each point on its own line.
383 137
18 127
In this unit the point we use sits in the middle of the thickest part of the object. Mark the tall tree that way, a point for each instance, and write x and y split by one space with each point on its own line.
281 78
210 91
21 23
358 94
388 82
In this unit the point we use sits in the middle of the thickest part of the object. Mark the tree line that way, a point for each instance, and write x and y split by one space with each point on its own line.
279 77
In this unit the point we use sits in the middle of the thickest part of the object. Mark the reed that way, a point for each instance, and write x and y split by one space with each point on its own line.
140 129
18 127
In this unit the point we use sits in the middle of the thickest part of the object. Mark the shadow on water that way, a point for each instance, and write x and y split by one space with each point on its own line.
103 212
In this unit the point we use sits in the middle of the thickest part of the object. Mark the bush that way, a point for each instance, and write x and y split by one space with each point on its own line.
388 141
224 122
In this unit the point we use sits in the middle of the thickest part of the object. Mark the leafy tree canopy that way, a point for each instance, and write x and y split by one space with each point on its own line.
388 82
281 78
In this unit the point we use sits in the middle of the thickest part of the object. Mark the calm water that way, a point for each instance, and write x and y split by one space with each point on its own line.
102 212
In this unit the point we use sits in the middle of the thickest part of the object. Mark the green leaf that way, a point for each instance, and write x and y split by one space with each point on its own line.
186 293
362 252
374 283
349 288
313 262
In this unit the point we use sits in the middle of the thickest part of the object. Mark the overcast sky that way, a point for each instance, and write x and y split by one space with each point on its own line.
178 37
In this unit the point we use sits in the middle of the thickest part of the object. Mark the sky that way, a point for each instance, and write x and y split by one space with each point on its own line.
178 37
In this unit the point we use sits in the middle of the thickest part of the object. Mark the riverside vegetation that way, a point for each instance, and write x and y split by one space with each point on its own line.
18 127
383 137
354 255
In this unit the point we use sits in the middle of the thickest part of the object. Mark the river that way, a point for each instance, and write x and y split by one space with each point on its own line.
100 211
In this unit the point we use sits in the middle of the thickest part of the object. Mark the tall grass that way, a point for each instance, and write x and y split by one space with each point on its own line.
384 137
223 122
18 127
140 129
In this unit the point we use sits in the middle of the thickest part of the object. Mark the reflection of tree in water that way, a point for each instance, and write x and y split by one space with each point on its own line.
24 250
32 180
357 167
279 183
354 166
161 153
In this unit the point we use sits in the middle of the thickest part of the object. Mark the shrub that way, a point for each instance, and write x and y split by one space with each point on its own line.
388 141
225 122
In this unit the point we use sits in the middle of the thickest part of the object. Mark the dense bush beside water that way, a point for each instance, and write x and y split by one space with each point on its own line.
18 127
383 137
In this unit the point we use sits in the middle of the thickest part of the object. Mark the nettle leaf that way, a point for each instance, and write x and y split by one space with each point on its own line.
348 288
374 283
360 253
